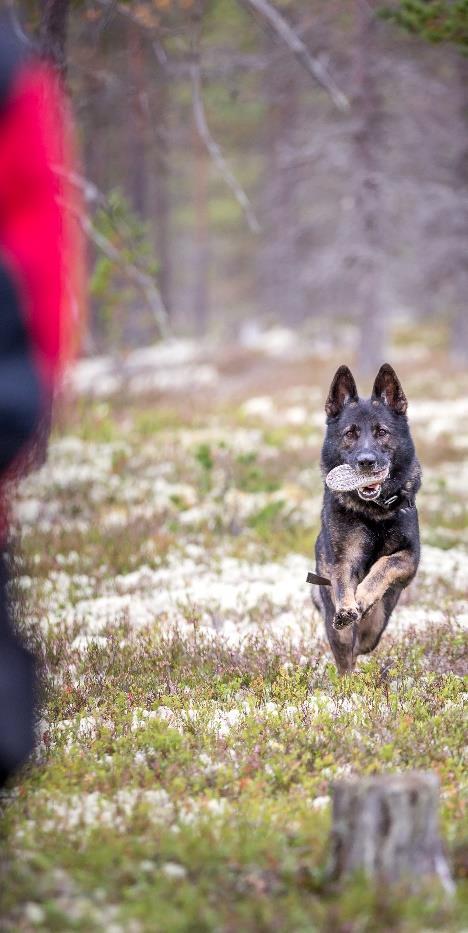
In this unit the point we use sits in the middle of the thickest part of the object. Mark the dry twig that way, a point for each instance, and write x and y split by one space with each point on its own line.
215 150
299 49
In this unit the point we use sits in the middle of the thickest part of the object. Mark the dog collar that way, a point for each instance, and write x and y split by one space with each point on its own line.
400 495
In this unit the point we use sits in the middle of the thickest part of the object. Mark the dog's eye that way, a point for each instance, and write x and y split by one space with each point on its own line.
382 432
350 433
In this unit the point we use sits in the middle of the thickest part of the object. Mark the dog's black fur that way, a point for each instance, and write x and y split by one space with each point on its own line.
368 548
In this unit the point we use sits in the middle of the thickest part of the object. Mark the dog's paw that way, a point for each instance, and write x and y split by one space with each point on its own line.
364 603
345 617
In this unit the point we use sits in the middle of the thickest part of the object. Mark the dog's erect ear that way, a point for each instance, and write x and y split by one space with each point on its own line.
342 390
387 388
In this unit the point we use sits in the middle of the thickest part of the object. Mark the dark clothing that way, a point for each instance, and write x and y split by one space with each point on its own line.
20 408
12 56
21 393
17 691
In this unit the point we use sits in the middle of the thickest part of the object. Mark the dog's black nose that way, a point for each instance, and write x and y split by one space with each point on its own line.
366 460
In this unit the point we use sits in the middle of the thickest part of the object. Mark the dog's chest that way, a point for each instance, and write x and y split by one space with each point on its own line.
385 538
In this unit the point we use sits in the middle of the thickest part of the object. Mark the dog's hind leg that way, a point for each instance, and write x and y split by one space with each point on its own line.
315 596
369 630
374 622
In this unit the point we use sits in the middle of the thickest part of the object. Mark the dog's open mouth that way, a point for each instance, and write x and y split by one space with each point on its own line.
372 491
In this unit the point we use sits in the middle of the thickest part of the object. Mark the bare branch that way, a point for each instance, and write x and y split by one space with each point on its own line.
112 6
16 24
215 151
315 67
89 190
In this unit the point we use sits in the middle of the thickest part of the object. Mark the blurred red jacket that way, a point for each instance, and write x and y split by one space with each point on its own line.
39 244
39 270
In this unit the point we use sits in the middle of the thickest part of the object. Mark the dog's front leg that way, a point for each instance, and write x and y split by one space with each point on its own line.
343 583
398 568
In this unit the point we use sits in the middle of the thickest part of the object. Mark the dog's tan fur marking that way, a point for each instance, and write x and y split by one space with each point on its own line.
396 568
343 575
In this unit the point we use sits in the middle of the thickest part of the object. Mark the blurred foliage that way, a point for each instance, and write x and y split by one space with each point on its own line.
110 288
433 20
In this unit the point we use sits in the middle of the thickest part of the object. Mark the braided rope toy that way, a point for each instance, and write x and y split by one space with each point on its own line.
344 479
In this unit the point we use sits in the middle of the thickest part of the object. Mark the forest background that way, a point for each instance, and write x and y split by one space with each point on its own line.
247 165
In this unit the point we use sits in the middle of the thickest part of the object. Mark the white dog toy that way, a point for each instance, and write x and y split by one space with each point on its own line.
344 479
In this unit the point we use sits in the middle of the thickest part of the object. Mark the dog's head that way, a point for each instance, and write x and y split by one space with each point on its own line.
371 435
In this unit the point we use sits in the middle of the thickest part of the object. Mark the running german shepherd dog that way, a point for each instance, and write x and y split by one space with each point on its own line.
368 546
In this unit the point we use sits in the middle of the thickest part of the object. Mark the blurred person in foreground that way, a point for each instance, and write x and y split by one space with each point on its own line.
39 264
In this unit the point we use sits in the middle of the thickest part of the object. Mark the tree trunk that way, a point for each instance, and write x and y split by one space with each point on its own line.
137 122
53 33
387 828
278 276
201 250
460 328
161 192
291 305
459 335
371 343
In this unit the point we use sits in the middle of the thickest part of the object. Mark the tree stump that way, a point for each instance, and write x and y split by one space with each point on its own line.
386 827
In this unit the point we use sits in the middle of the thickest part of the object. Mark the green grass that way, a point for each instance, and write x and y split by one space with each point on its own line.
183 777
260 861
